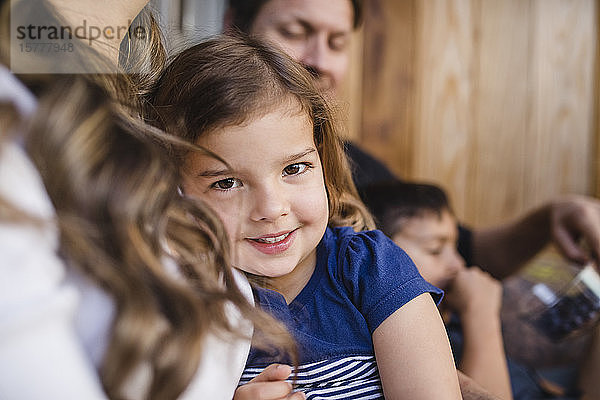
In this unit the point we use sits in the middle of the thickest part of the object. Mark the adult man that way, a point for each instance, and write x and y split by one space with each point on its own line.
318 34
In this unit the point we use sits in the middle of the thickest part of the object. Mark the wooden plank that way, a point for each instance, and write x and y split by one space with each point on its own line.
561 136
500 108
388 83
351 96
596 162
444 91
497 101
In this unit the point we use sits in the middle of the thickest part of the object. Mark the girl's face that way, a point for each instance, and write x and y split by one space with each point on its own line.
430 240
271 198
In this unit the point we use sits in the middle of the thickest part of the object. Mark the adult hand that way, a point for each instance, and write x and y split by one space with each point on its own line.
575 221
571 222
474 293
269 385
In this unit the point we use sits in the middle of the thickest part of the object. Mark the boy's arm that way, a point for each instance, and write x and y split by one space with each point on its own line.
413 354
504 249
477 299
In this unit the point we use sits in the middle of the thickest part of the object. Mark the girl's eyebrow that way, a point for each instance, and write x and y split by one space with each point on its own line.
211 173
297 156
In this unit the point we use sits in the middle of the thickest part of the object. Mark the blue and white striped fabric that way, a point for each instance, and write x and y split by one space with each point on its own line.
360 279
354 377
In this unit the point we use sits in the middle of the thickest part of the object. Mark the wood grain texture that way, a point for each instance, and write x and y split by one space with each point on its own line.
388 114
500 105
596 160
561 137
497 101
445 89
350 98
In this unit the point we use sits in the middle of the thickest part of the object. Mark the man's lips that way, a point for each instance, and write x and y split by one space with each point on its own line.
274 243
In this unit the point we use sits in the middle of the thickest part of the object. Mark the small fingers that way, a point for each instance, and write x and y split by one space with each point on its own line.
264 391
270 384
297 396
274 372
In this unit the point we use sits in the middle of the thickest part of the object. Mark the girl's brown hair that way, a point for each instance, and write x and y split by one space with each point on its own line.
115 194
232 79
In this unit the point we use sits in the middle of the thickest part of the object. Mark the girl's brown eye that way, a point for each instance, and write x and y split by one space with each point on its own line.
225 184
295 169
292 169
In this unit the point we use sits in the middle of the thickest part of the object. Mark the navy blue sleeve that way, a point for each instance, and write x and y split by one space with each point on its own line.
379 276
365 168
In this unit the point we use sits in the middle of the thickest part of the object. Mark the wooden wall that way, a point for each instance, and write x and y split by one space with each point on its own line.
496 100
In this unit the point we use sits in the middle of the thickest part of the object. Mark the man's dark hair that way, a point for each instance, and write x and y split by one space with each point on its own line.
391 202
245 12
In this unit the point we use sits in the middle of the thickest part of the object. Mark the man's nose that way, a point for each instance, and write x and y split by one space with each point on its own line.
317 56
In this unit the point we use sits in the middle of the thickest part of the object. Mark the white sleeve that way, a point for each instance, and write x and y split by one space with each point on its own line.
223 360
40 353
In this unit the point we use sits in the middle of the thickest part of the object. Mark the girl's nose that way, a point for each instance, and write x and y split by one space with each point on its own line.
269 204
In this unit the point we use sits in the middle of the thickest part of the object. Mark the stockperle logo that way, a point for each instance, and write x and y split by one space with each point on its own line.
41 43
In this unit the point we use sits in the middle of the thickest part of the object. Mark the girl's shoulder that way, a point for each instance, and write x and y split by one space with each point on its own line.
357 254
349 242
377 276
347 233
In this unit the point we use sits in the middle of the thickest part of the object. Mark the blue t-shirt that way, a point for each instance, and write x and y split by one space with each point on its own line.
360 279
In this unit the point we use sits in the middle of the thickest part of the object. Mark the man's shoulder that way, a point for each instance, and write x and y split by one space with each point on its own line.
366 169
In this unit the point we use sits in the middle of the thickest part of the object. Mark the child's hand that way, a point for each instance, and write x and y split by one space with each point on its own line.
475 293
269 385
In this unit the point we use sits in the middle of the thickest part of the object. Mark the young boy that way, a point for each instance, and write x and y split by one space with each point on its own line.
418 217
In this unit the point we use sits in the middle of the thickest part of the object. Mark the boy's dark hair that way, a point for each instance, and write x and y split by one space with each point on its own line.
245 12
391 202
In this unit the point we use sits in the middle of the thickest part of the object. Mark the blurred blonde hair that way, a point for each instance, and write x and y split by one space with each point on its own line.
115 194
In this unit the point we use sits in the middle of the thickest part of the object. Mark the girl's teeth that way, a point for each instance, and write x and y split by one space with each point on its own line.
272 240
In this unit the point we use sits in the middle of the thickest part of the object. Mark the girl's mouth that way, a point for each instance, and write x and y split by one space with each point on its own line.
272 239
273 244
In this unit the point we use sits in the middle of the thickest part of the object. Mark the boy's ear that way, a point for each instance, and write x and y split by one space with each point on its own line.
228 19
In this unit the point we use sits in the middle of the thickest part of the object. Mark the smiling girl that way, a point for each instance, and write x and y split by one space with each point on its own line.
364 319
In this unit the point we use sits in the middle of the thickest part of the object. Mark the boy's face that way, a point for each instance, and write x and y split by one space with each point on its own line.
271 198
430 240
316 33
